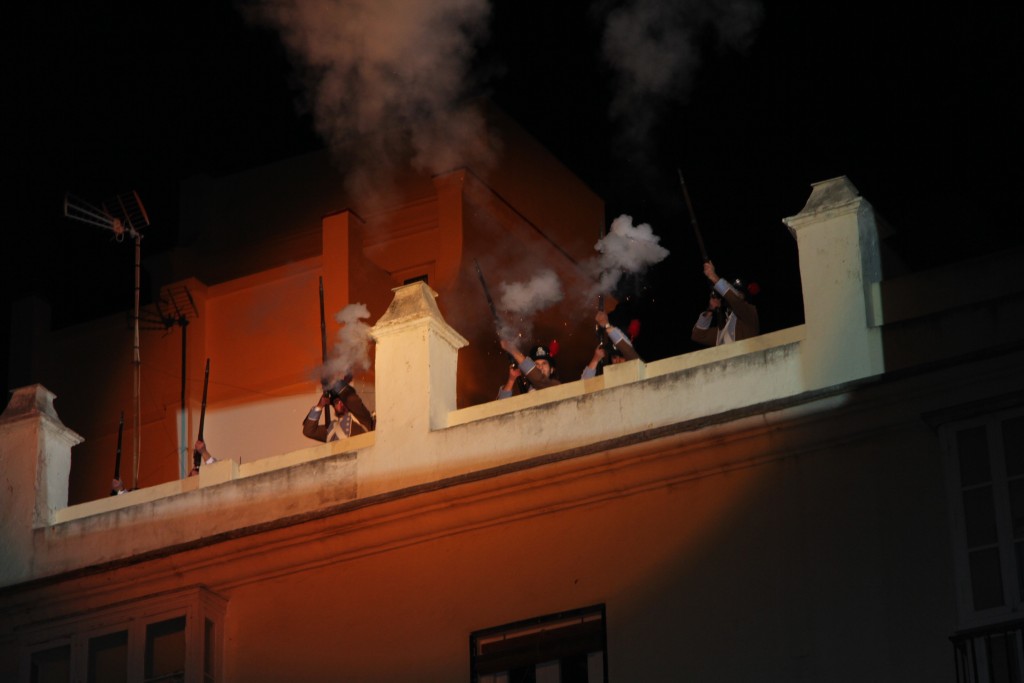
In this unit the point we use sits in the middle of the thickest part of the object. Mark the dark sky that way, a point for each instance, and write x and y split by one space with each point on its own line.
914 102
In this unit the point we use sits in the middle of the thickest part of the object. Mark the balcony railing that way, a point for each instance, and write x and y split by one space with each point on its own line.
990 654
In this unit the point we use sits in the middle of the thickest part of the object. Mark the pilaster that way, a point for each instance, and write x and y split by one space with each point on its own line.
840 261
35 462
416 361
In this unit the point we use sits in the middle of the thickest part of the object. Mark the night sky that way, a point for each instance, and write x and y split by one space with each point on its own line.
752 101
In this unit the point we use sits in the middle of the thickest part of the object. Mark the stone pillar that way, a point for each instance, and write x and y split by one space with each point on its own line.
840 261
416 363
35 462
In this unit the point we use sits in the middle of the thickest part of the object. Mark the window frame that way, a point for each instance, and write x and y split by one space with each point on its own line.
525 627
1013 600
197 605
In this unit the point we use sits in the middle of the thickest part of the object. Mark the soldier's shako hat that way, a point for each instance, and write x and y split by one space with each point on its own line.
542 353
335 389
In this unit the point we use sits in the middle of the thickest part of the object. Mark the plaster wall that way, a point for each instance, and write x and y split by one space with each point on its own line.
770 493
801 535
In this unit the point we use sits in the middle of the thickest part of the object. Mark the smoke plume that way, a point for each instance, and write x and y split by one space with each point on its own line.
385 80
526 298
626 249
653 46
522 299
351 351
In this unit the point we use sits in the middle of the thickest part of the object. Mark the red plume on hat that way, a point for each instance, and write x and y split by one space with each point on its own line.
633 329
553 348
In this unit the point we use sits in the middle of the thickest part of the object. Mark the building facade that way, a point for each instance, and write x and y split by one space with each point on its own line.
838 501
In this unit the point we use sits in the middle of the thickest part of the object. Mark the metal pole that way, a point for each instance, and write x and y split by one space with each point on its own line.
184 415
137 362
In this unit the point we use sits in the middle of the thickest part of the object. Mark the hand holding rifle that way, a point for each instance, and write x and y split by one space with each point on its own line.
514 376
199 450
117 486
602 326
514 354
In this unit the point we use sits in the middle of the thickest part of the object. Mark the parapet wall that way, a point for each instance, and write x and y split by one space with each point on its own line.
421 439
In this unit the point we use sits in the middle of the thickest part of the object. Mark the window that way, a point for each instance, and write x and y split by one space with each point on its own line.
568 647
984 458
52 665
165 650
985 463
174 637
108 658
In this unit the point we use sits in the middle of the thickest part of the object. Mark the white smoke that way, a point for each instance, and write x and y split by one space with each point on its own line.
385 79
526 298
351 351
654 48
521 300
626 249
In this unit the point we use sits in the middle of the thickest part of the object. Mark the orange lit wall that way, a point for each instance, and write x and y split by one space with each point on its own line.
263 238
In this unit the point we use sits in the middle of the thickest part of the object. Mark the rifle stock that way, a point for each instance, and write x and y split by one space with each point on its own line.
197 457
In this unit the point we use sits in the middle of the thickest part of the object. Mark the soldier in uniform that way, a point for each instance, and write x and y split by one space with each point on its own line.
350 414
730 315
538 368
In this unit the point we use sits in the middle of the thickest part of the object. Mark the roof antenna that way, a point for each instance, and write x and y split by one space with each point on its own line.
123 215
177 308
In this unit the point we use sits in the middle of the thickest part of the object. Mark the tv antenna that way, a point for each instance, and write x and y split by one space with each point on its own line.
177 308
123 215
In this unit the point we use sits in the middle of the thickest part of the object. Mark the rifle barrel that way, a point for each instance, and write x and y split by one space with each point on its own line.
323 351
323 325
196 456
487 292
490 304
693 218
117 458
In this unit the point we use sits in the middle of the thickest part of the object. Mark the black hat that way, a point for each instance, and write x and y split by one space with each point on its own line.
746 289
543 353
749 289
334 391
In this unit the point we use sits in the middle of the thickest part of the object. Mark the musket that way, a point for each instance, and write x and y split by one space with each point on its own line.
602 335
197 457
487 293
693 218
117 459
494 311
323 348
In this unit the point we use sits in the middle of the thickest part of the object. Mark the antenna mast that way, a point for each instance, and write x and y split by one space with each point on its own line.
122 215
177 308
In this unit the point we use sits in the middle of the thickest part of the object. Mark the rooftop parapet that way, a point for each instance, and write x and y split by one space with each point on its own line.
423 440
